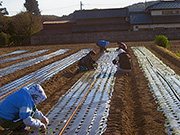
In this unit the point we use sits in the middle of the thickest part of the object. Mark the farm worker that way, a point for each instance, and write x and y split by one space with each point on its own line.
87 62
102 45
18 111
123 60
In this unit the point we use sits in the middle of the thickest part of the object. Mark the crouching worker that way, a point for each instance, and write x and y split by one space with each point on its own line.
18 111
123 61
87 62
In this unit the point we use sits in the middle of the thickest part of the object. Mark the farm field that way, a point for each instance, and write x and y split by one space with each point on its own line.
133 109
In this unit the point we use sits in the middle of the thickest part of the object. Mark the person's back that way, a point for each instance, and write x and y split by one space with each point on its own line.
87 62
9 108
123 61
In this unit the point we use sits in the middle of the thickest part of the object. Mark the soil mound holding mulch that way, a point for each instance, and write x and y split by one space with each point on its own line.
133 110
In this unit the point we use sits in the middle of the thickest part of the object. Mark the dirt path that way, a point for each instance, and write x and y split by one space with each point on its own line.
133 109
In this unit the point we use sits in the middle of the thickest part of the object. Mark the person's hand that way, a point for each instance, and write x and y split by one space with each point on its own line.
106 50
95 65
43 127
45 120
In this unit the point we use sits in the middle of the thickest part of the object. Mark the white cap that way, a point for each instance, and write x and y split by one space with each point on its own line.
37 93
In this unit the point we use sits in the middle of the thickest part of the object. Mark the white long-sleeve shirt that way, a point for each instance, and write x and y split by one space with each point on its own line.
35 120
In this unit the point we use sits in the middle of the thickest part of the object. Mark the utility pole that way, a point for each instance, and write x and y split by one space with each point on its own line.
145 3
81 5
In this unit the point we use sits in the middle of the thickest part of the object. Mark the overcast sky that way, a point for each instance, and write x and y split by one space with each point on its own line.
65 7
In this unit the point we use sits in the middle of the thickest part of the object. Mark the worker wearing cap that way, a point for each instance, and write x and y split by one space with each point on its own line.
19 110
123 60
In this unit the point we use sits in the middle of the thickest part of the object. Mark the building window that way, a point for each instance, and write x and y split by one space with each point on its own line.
176 12
136 28
170 12
167 12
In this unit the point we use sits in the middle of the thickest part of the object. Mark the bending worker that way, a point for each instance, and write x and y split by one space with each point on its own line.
18 111
123 60
102 45
87 62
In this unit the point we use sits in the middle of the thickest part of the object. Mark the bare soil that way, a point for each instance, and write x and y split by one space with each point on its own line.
133 109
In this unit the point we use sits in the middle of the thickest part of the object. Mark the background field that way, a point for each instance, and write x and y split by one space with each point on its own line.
133 109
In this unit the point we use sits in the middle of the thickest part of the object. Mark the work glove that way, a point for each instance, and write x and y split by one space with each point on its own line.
45 120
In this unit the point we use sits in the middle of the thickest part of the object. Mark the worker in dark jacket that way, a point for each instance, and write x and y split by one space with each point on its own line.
87 62
123 60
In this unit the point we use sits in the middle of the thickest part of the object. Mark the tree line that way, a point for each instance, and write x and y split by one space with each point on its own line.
17 30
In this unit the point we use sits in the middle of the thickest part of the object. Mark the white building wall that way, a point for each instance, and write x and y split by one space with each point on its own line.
155 13
154 26
165 12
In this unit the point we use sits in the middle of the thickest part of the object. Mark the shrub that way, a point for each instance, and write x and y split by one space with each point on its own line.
161 40
4 39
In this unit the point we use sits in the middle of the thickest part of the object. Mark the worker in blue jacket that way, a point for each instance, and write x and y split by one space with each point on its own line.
18 111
